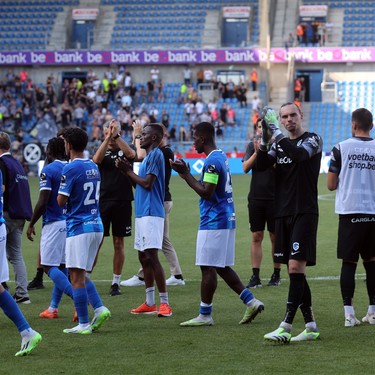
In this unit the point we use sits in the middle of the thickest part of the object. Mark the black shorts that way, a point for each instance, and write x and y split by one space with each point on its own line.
119 213
260 213
356 237
296 238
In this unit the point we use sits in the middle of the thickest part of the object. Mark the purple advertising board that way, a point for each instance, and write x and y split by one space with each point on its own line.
222 56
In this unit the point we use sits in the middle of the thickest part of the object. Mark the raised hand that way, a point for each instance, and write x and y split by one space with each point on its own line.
180 166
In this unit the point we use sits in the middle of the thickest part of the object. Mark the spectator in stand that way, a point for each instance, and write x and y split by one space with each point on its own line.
297 88
231 117
165 118
78 115
160 87
182 94
254 79
205 117
200 76
187 75
300 32
128 81
126 101
230 89
150 91
133 92
241 95
142 95
255 104
123 117
223 113
199 106
208 75
173 134
154 114
183 134
289 42
155 74
218 124
66 114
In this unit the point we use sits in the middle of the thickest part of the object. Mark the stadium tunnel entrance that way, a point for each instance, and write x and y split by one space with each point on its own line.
312 79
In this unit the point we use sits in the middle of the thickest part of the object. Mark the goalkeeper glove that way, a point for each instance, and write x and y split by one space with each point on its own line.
270 118
266 136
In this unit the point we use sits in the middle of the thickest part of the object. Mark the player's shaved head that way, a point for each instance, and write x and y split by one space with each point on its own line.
363 118
205 129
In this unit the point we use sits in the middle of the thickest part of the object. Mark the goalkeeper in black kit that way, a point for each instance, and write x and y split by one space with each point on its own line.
297 163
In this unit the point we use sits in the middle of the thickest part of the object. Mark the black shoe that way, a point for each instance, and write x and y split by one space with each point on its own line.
254 282
35 284
5 285
21 299
274 281
115 290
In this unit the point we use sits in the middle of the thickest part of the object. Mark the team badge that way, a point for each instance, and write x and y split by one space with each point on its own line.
295 246
211 168
43 177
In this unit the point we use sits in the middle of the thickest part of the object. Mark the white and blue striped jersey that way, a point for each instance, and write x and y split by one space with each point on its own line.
80 181
49 179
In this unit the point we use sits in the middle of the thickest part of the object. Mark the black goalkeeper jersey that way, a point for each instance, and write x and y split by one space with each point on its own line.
262 185
296 173
114 185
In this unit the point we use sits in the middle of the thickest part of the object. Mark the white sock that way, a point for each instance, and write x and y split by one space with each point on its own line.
371 309
286 326
349 310
150 296
204 317
164 297
51 309
116 279
311 325
27 333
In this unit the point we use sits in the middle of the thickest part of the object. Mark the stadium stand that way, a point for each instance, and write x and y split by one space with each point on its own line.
358 18
27 24
168 23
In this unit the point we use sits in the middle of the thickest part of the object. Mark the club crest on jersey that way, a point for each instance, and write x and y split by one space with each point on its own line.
120 153
43 177
295 246
211 168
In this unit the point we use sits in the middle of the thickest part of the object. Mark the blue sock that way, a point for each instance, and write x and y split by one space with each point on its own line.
93 295
56 297
12 311
61 281
205 309
246 296
80 303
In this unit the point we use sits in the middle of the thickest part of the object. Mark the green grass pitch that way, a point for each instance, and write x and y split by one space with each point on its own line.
129 344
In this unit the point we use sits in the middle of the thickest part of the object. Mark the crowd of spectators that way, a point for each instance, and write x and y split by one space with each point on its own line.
88 103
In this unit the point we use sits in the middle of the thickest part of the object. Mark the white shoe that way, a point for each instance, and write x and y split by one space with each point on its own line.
369 318
174 281
307 335
351 321
80 329
279 335
199 321
133 281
